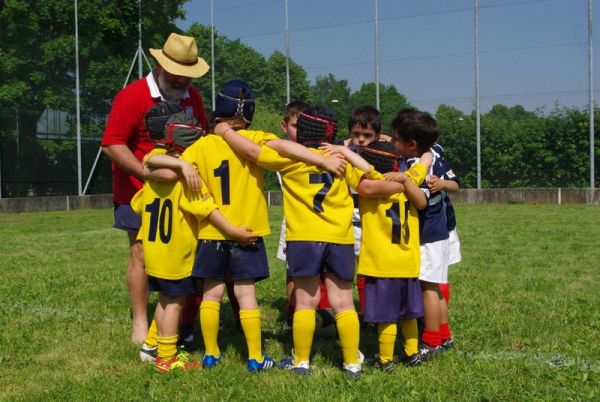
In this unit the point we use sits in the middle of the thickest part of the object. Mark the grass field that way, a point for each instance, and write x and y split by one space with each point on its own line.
524 313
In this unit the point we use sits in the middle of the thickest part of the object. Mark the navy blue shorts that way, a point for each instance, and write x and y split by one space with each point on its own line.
126 219
172 287
216 258
392 299
311 258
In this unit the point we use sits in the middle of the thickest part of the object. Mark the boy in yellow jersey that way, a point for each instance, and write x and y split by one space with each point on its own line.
170 215
318 210
390 257
237 188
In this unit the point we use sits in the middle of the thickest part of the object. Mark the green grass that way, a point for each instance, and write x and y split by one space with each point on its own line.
524 313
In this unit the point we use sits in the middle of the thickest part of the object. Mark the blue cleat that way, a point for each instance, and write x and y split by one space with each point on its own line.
301 368
209 361
267 363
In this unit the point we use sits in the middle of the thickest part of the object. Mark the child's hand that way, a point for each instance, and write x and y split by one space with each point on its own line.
396 176
190 174
221 128
436 184
335 164
244 236
426 160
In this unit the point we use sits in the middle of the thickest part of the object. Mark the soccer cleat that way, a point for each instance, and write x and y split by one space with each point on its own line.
413 360
427 352
209 361
301 368
352 370
254 366
148 353
186 338
376 363
447 344
180 362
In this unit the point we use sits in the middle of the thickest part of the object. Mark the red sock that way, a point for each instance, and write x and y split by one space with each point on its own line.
445 290
360 285
431 338
324 302
445 333
190 311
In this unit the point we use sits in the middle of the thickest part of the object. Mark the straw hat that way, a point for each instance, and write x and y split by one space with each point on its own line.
179 56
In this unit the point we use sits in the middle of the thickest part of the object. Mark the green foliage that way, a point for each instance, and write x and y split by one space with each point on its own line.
520 314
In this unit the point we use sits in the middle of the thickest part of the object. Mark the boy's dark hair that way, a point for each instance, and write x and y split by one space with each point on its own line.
382 155
316 124
411 124
294 108
365 116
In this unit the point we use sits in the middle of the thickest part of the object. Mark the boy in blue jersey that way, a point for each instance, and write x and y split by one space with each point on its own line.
443 180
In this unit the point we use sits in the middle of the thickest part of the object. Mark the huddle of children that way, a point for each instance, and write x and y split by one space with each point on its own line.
205 229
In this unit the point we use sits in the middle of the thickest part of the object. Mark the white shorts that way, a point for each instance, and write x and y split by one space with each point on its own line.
282 243
454 256
434 262
357 237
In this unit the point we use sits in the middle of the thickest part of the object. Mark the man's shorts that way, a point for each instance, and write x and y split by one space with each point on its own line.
310 258
172 287
392 299
434 262
216 258
454 256
126 219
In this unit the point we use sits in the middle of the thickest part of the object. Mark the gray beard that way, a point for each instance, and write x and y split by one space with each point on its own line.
169 92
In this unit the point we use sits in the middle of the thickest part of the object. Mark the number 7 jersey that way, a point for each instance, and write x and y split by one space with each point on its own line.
237 186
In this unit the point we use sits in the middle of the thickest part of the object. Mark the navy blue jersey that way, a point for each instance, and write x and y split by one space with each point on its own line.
434 221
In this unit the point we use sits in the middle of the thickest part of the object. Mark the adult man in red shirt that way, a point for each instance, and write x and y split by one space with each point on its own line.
126 140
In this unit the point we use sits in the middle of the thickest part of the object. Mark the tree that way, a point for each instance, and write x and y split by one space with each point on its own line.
275 85
37 68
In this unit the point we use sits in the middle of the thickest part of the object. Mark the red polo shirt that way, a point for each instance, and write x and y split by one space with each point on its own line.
125 126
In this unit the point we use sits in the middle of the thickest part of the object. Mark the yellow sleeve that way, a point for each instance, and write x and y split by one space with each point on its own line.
155 151
137 202
355 175
417 173
198 204
258 137
270 159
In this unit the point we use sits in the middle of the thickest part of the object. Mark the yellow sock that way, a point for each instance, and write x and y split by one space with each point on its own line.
410 332
349 333
251 325
167 347
152 337
387 338
209 323
303 329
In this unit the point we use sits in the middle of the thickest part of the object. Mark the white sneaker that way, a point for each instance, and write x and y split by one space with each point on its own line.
147 353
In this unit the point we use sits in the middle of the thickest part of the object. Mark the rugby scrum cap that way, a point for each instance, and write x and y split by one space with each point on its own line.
316 125
235 100
179 56
156 117
382 155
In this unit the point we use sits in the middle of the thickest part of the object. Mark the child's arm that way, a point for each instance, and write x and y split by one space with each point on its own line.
188 171
164 175
412 191
437 184
250 151
333 164
378 188
355 159
242 235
